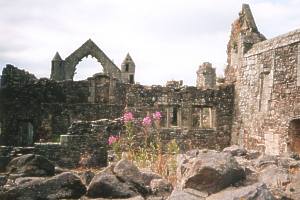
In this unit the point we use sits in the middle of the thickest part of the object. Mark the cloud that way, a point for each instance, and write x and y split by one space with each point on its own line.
167 39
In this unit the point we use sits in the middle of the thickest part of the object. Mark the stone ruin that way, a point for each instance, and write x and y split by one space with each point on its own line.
256 106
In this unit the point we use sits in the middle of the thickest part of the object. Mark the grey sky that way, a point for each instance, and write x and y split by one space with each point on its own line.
167 39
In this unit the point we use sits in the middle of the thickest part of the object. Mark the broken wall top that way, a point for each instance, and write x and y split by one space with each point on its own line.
276 42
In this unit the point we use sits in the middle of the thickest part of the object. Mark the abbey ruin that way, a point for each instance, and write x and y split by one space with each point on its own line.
257 105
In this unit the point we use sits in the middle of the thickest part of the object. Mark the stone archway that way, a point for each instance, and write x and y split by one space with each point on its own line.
294 134
65 69
87 68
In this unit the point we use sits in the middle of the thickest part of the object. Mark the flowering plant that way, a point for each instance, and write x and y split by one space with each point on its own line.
112 139
147 121
128 117
150 152
114 142
156 115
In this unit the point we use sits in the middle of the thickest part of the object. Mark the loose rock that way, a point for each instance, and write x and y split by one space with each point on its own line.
31 165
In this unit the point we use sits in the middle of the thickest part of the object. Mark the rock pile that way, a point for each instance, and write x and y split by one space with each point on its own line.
232 174
235 174
32 177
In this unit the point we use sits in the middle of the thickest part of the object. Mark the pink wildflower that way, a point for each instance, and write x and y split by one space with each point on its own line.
112 139
147 121
157 115
128 116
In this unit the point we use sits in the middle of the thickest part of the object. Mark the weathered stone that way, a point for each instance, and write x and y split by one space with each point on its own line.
131 198
274 176
266 115
293 189
86 177
252 154
59 170
235 150
210 172
62 186
148 176
107 185
266 160
252 192
31 165
22 180
161 187
127 171
187 194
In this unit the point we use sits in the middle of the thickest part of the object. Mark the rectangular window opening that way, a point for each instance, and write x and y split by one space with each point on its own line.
126 67
174 117
131 78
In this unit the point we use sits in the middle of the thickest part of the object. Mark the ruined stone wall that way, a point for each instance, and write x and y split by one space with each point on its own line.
214 106
65 69
47 108
84 145
269 96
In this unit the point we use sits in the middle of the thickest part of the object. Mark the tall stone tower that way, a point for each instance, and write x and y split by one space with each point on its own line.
206 76
128 70
244 34
57 68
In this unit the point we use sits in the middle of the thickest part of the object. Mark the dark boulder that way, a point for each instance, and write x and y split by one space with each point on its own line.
31 165
209 171
86 177
62 186
148 176
127 172
107 185
161 187
235 150
253 192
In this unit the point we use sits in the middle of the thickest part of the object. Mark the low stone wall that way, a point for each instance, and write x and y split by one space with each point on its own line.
69 152
187 139
72 149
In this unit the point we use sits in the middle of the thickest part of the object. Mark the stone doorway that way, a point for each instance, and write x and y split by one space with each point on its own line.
294 132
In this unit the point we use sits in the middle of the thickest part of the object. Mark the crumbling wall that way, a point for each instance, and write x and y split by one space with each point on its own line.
34 109
206 76
84 145
269 94
190 104
65 69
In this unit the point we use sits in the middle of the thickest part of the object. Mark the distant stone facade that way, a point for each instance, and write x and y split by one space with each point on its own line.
65 69
257 105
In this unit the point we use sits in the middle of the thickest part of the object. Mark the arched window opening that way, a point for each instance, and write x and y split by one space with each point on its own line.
86 68
294 133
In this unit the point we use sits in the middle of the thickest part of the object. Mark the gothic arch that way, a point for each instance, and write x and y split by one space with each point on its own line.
65 69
